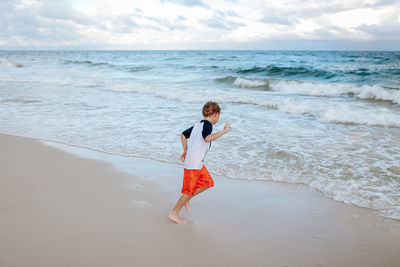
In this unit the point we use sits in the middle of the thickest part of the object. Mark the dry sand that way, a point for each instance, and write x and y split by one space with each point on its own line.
76 207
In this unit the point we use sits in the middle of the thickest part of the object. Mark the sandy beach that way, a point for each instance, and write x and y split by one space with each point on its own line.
77 207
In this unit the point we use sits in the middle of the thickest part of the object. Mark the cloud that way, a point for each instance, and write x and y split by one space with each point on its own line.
188 3
292 12
229 13
123 23
176 23
60 10
388 31
289 10
56 23
220 20
332 33
158 23
28 23
278 20
384 3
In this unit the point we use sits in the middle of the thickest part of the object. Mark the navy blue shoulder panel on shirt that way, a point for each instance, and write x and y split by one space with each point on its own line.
207 129
187 132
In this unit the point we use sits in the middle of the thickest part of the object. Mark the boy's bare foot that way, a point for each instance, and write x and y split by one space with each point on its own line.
187 206
176 218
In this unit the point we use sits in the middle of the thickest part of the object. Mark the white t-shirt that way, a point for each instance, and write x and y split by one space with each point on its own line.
197 146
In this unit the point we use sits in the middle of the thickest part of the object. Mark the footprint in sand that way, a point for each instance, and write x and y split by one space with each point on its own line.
136 186
316 238
320 237
142 203
365 247
139 187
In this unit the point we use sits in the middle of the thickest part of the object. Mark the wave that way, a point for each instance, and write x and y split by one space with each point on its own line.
305 72
393 71
86 62
329 110
20 100
352 192
245 83
361 72
128 68
289 71
368 92
343 113
11 63
138 69
57 82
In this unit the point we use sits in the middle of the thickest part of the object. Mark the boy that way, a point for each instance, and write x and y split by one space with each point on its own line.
196 177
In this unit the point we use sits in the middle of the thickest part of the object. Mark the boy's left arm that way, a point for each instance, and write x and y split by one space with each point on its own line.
214 136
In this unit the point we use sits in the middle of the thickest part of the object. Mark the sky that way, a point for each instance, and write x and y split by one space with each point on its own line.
200 24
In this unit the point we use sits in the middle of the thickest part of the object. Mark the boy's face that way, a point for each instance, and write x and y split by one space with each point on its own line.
215 118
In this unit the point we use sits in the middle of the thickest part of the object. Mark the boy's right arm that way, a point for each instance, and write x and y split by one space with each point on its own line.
184 136
184 146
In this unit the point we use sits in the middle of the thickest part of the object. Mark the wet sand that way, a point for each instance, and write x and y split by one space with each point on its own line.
77 207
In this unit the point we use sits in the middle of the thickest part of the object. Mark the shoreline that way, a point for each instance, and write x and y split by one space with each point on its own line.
93 153
88 208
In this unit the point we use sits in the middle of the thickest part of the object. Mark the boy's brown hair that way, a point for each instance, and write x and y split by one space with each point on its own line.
210 108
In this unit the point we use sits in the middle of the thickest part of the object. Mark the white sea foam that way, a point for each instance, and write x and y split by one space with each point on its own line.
246 83
352 113
374 92
378 194
56 82
10 63
328 110
362 193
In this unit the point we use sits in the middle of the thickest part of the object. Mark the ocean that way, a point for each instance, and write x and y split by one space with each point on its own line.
330 120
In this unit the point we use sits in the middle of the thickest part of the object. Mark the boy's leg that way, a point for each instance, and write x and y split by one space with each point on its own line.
204 181
183 200
187 203
174 214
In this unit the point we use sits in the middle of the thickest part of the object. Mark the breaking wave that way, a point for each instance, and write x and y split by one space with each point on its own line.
289 71
88 63
11 63
333 111
370 92
240 82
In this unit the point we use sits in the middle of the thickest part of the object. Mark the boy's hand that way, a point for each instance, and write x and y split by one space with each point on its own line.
227 127
183 156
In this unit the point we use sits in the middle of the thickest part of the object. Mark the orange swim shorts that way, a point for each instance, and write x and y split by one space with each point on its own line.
193 179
